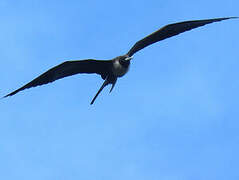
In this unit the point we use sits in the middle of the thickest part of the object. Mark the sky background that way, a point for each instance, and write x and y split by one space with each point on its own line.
174 116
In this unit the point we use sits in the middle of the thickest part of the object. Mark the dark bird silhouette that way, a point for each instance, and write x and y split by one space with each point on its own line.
111 70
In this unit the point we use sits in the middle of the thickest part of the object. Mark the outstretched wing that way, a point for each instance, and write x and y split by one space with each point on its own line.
169 31
65 69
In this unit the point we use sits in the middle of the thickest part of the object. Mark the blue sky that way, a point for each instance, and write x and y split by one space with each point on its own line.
173 116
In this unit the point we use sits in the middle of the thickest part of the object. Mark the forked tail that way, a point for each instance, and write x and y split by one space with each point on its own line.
106 82
101 88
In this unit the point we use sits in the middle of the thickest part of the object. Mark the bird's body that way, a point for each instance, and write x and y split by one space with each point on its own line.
120 66
111 70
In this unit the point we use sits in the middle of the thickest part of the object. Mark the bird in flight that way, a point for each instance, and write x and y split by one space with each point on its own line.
111 70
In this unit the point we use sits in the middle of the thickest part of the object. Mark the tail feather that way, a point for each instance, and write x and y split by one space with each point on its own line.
113 85
101 88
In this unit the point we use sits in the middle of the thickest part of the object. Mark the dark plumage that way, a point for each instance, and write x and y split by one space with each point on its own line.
112 69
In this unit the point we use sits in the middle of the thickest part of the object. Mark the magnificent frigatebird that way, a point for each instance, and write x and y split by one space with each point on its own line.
111 70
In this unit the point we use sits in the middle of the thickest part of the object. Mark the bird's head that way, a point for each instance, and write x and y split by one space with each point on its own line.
124 60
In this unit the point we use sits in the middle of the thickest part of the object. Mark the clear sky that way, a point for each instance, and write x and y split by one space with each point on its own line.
174 116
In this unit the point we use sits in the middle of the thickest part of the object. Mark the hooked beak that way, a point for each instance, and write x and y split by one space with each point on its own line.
128 58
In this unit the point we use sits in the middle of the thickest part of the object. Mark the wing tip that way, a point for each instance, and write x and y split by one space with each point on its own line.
12 93
4 97
225 18
8 95
233 17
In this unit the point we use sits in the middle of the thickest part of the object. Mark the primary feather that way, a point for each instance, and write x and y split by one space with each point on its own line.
171 30
65 69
